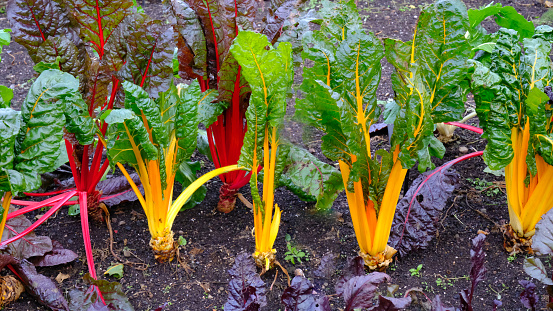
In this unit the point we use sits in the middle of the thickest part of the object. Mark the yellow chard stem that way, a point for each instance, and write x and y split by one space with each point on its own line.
388 208
187 193
6 202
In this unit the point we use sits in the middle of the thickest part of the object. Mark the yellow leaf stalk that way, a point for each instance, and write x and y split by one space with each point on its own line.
6 202
265 223
372 230
157 202
529 197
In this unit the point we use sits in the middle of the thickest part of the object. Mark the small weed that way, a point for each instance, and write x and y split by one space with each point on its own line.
512 258
416 271
293 253
166 289
486 187
444 283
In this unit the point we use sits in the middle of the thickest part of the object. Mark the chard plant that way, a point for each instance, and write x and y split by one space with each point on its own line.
206 31
516 116
269 73
103 43
340 99
154 137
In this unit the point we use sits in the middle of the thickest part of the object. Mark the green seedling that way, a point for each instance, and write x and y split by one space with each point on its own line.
486 187
294 254
416 271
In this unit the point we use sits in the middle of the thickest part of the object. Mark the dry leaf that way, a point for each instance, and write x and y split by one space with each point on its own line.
548 4
62 277
196 251
10 289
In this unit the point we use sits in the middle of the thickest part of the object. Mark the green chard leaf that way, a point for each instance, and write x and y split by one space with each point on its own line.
509 91
186 174
31 138
269 72
431 79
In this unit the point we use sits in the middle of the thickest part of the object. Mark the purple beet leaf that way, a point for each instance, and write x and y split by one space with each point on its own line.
356 267
299 295
528 296
391 303
477 271
359 291
246 289
57 256
114 297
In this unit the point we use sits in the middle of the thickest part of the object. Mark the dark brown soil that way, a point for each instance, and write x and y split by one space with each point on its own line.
214 239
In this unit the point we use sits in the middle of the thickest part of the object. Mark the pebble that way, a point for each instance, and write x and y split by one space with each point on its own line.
122 222
69 241
128 228
463 149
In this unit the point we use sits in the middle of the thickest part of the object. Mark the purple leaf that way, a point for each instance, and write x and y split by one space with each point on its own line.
528 296
391 303
6 260
246 289
113 294
57 256
477 271
425 210
542 241
356 267
39 286
496 304
299 295
278 13
29 246
535 268
322 304
119 184
327 267
359 291
437 305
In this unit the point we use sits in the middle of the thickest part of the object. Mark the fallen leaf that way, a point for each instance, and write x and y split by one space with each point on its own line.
62 277
196 251
548 4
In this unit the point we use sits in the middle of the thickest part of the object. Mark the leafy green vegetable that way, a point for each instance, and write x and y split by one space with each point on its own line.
505 16
115 271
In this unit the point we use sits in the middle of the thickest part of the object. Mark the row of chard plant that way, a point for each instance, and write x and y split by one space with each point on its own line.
106 81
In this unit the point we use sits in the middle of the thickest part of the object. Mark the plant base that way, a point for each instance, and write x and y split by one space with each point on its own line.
10 289
380 261
515 244
164 247
265 260
93 203
227 199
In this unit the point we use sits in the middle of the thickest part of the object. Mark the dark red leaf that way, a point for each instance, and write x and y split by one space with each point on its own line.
356 267
359 291
299 295
477 271
113 294
116 185
327 267
34 21
391 303
437 305
278 13
322 304
98 19
496 304
39 286
149 62
424 213
528 296
6 260
68 52
57 256
246 289
29 246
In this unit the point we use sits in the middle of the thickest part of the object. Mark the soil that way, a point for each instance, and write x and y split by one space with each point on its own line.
214 239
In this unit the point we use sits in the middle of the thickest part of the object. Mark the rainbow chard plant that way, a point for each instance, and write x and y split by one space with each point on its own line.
269 73
154 137
30 142
516 116
102 43
340 99
207 30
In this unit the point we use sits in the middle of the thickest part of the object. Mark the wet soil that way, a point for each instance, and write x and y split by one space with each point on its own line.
199 281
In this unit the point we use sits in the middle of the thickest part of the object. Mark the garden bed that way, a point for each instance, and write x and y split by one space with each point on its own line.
198 280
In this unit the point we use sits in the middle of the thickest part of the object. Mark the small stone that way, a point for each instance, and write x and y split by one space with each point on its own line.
69 241
457 236
181 232
126 253
209 297
122 222
463 150
483 210
128 228
114 220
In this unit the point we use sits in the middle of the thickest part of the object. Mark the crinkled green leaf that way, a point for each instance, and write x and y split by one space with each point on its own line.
6 95
510 91
269 73
41 66
432 87
126 131
308 177
10 124
187 120
505 16
208 111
